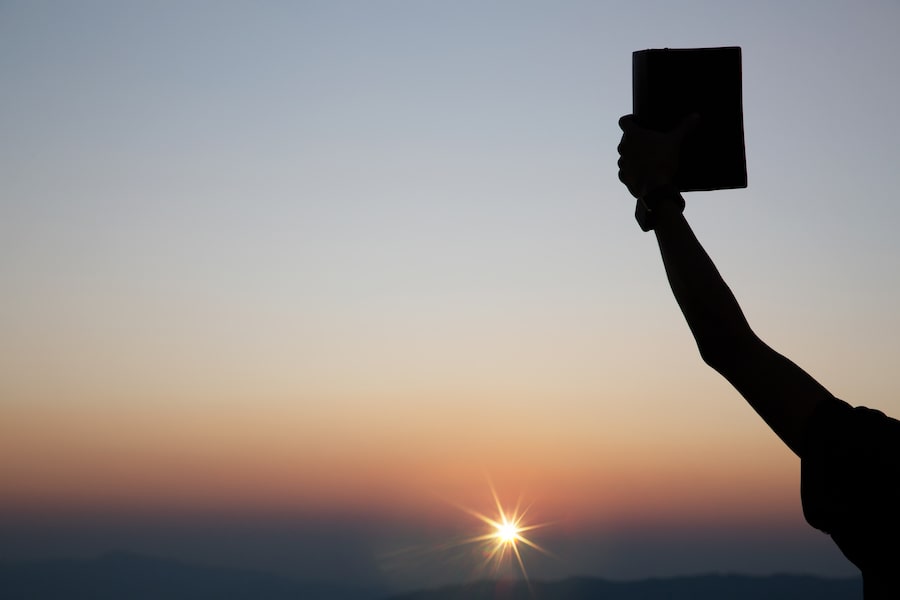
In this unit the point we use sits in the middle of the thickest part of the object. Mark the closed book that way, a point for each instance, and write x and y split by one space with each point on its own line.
671 84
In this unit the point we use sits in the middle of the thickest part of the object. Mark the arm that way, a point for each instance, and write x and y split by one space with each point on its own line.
778 390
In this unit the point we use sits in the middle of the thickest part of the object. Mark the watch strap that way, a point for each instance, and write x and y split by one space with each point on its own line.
650 202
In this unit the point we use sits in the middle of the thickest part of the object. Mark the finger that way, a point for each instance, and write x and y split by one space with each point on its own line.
623 144
629 182
626 123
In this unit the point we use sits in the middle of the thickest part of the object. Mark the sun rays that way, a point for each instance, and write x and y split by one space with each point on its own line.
500 548
504 539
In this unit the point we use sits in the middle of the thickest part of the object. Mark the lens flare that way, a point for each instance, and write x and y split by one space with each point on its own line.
504 538
500 549
507 532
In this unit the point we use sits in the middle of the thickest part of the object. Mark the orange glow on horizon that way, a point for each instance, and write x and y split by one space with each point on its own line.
246 461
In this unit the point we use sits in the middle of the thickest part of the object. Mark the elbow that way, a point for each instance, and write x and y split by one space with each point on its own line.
726 351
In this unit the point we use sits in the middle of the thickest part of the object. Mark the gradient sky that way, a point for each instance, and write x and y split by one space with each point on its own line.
284 283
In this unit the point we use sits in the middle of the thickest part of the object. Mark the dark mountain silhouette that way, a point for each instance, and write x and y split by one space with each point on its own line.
699 587
126 576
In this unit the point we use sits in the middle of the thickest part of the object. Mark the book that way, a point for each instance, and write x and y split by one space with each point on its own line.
671 84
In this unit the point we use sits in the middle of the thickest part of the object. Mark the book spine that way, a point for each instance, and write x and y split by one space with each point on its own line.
640 82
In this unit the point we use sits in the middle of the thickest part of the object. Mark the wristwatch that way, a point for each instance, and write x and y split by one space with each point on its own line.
647 204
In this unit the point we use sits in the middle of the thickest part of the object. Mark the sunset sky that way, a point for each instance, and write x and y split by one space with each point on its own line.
289 284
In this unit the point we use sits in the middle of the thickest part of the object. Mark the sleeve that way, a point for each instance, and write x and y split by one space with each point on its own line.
850 479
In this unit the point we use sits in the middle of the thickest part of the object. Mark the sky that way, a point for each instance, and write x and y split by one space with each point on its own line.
303 285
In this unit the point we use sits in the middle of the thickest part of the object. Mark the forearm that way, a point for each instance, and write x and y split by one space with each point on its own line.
711 310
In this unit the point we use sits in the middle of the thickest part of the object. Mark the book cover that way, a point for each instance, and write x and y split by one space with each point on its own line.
670 84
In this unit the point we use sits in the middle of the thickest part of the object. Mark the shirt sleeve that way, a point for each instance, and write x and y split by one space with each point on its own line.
850 478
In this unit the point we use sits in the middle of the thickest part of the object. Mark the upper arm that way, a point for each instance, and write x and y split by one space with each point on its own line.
782 393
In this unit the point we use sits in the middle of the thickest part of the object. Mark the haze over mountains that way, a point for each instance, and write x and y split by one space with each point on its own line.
127 576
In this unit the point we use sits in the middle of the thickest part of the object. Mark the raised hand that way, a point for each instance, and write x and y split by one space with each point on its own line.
649 159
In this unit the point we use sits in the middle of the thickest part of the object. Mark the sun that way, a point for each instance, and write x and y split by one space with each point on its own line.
507 532
502 543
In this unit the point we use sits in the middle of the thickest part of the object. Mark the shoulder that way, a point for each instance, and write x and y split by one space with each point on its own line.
839 431
850 464
850 478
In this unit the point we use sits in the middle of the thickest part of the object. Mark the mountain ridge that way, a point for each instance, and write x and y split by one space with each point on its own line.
711 586
124 575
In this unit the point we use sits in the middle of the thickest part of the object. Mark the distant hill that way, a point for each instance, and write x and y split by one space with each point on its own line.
126 576
699 587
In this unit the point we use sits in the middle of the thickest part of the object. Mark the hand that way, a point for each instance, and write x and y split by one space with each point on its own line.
649 159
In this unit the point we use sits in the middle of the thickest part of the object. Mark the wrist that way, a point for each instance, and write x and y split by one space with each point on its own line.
660 200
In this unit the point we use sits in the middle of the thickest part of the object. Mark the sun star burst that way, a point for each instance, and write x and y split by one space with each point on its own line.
507 532
501 543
